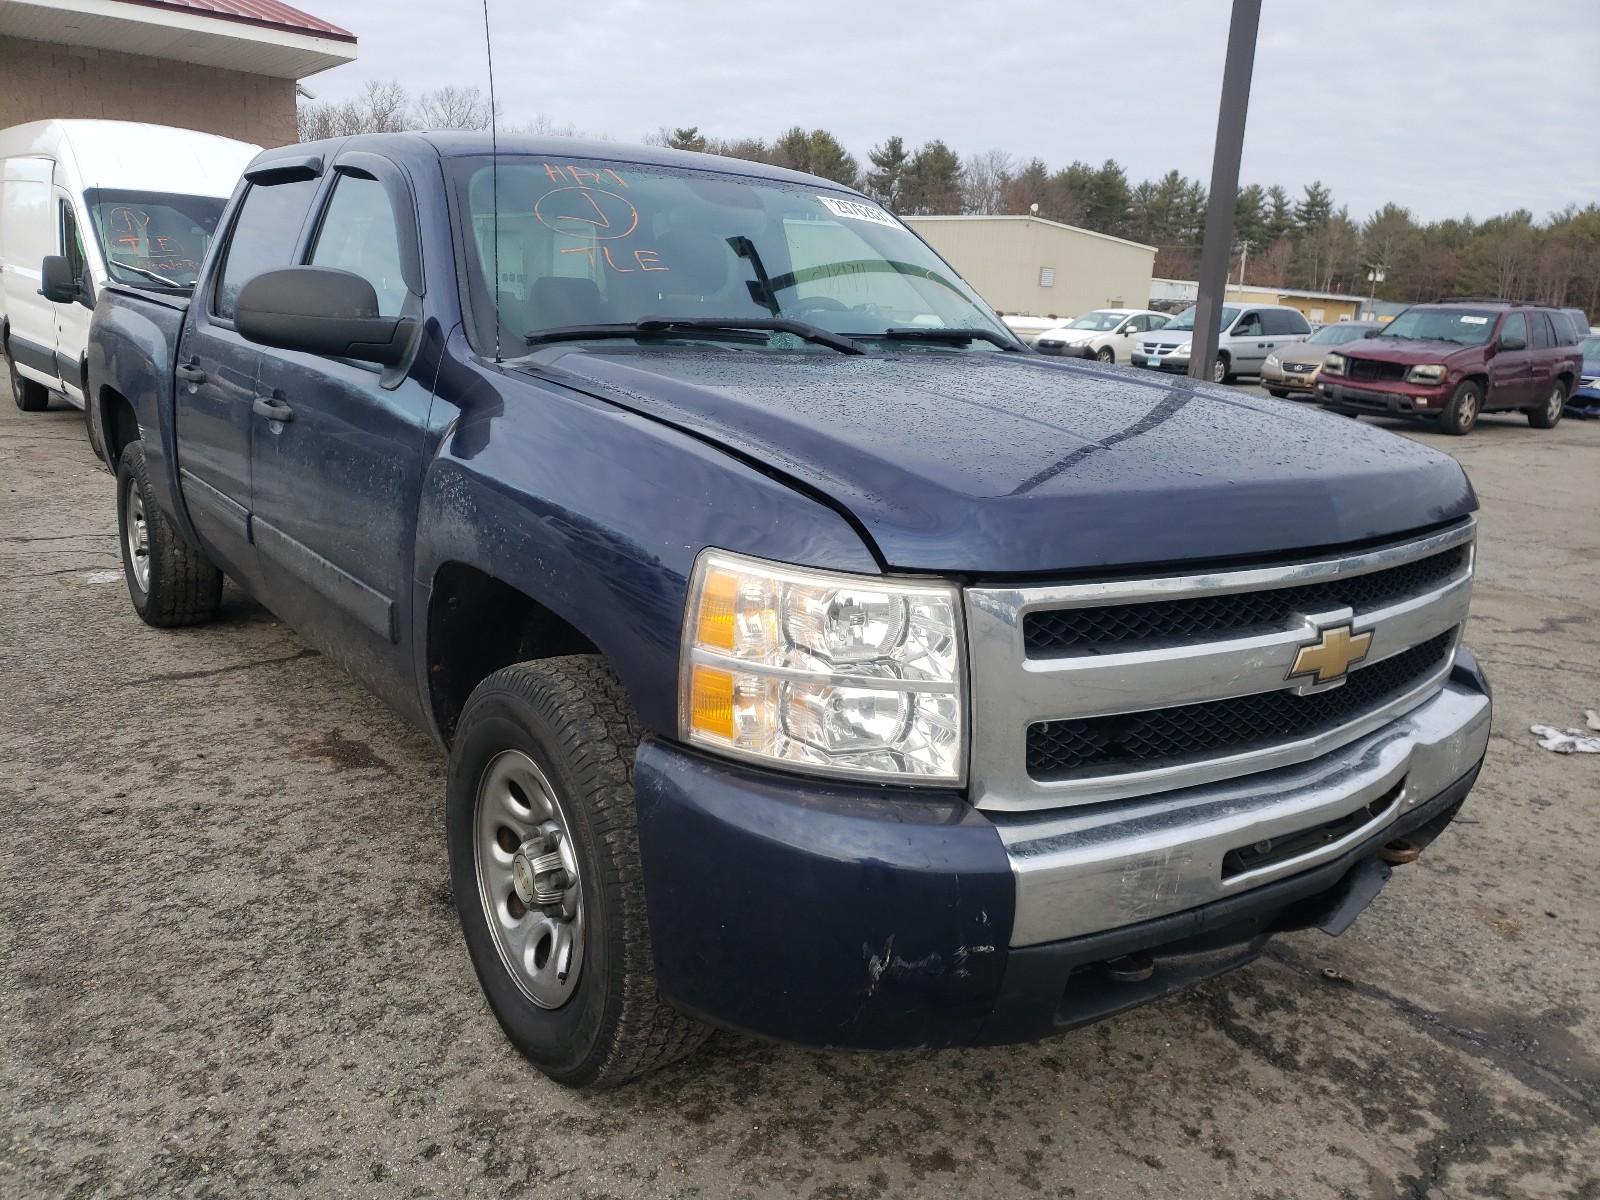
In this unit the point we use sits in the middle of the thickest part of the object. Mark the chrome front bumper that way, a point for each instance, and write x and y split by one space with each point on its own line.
1093 869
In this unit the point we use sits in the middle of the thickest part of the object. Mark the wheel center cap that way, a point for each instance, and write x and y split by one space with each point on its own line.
538 873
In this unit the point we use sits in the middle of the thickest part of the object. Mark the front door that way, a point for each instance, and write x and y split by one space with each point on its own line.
337 483
1247 345
217 375
72 318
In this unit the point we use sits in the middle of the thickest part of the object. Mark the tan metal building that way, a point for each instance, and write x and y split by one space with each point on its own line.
1317 307
220 66
1027 265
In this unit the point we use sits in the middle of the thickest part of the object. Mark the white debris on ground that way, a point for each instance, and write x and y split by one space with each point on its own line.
1566 741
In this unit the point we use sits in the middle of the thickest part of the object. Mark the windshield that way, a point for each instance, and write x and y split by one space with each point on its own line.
1590 346
1338 335
1100 322
1185 319
151 238
1465 327
582 243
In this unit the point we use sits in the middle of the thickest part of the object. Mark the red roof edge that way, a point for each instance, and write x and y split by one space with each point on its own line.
266 14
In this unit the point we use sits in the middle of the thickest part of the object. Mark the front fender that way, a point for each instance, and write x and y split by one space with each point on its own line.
597 513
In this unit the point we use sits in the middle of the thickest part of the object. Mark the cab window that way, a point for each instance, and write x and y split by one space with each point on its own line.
265 235
359 234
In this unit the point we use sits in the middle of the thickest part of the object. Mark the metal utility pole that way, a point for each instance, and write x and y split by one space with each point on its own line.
1224 194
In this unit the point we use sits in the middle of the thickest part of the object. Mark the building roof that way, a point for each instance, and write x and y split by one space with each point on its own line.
260 37
1034 220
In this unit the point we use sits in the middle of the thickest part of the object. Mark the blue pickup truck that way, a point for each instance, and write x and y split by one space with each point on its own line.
814 660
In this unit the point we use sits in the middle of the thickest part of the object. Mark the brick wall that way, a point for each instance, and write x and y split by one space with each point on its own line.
43 80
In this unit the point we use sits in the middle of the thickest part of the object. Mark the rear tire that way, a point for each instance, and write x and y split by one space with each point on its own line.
1548 415
1461 414
170 582
29 394
543 764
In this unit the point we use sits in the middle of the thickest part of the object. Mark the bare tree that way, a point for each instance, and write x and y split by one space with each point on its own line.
983 181
451 107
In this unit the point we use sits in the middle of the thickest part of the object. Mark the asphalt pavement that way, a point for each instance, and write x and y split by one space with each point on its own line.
229 965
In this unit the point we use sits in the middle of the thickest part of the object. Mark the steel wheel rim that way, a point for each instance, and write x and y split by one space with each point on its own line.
541 948
137 536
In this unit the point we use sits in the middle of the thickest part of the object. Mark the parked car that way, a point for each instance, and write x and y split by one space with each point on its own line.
1587 394
1107 334
1292 370
1249 334
812 659
1451 362
1028 330
117 201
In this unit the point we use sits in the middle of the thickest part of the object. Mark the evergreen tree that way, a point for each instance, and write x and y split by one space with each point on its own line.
933 180
886 181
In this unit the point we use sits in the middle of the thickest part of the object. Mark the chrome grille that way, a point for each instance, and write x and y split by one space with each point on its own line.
1058 748
1120 625
1084 693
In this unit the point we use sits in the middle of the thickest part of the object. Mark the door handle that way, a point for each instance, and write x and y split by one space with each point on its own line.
273 408
190 372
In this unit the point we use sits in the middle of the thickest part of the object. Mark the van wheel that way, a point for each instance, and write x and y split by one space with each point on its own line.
1461 414
544 863
1548 414
30 395
1219 370
170 582
1107 354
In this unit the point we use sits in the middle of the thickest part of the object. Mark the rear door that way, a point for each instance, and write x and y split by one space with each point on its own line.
27 234
337 484
216 384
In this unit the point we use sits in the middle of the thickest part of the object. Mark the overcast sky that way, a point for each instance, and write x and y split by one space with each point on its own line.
1449 107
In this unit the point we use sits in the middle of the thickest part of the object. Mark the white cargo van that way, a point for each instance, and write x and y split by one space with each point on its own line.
122 202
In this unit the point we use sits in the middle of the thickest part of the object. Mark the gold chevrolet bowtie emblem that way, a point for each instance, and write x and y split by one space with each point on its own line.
1332 655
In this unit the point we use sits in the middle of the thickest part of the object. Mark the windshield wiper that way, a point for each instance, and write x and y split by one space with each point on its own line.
668 326
161 279
956 337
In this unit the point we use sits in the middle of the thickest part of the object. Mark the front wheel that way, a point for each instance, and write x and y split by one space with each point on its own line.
1548 414
1106 354
29 395
170 582
544 864
1278 392
1461 414
1219 369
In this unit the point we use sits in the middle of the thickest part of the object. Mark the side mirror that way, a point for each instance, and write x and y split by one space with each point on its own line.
320 310
1370 333
1513 343
56 281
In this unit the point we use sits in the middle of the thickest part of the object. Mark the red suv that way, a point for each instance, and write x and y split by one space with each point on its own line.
1454 360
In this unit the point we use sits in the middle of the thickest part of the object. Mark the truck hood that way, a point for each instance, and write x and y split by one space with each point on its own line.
1013 463
1405 350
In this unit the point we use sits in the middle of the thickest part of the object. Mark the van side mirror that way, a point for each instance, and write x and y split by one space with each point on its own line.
56 281
1513 343
320 310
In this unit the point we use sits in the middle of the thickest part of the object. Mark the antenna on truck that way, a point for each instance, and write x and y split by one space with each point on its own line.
494 182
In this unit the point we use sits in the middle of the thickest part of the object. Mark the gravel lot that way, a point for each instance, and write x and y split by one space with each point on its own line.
230 965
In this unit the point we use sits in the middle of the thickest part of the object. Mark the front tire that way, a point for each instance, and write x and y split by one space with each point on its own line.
544 863
170 582
1278 392
1106 355
29 394
1548 414
1220 372
1461 414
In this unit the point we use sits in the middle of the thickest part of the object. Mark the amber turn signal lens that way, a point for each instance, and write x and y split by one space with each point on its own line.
714 628
711 702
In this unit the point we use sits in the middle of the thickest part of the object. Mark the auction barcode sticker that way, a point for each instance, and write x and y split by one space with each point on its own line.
859 211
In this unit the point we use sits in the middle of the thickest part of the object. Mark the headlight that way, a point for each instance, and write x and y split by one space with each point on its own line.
1432 373
1334 364
1272 361
839 674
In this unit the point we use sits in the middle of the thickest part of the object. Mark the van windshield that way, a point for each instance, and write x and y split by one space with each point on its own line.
1185 319
586 243
153 239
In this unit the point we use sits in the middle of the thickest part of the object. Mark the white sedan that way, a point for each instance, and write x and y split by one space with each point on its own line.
1107 334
